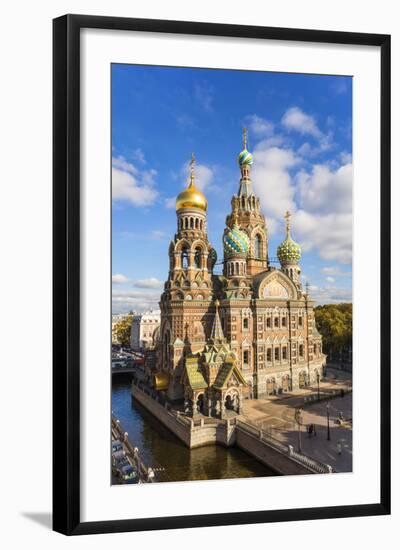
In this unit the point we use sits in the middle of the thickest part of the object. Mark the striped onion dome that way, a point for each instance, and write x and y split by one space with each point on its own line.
236 242
245 157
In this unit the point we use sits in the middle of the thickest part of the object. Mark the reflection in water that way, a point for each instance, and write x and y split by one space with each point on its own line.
159 448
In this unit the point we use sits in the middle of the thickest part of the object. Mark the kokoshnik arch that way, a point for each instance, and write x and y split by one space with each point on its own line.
247 333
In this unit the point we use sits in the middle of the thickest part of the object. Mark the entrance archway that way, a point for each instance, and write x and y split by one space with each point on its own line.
200 403
270 386
232 401
229 403
302 380
285 383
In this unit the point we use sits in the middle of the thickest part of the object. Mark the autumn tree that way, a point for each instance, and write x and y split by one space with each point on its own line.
122 330
335 323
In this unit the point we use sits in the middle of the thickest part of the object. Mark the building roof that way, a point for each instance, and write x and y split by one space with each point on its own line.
194 375
225 373
161 381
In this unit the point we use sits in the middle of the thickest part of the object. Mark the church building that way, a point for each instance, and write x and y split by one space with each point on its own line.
246 333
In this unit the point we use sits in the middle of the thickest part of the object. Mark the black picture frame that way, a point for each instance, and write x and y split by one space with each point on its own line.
66 273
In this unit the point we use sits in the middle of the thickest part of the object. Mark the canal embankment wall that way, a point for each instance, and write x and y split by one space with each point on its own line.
207 431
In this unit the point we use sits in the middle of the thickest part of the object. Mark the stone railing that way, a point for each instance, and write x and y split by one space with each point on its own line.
146 474
313 465
326 394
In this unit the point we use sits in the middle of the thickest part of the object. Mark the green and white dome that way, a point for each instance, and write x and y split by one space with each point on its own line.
245 158
288 252
236 242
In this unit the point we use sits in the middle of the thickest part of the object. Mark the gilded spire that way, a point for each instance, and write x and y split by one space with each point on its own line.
191 165
244 138
287 218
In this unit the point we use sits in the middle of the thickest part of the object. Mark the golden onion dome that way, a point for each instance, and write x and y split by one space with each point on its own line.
191 197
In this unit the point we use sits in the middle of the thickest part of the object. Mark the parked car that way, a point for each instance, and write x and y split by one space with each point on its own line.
119 458
128 474
117 446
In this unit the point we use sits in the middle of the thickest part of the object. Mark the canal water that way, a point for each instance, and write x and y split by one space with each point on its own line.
164 452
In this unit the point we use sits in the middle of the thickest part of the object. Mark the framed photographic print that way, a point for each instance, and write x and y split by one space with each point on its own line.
221 274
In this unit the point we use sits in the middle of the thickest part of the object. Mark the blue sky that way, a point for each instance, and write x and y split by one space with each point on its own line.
300 132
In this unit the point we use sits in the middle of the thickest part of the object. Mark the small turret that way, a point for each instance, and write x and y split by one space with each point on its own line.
289 254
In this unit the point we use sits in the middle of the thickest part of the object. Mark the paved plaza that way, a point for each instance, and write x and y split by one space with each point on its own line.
276 415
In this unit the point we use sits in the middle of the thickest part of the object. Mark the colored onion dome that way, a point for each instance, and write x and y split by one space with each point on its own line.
289 252
245 157
191 197
236 242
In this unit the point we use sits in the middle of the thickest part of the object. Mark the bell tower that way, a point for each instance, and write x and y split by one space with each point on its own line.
246 211
188 291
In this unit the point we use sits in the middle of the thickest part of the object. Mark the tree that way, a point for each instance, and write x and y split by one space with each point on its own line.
122 330
335 323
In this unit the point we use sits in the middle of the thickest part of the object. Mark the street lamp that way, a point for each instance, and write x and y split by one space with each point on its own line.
328 432
318 377
299 419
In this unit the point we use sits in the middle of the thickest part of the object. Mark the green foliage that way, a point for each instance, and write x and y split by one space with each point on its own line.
335 323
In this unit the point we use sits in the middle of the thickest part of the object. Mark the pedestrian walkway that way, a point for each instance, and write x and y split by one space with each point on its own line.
277 416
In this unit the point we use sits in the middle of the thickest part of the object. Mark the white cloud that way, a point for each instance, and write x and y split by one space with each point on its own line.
137 300
259 127
336 271
138 155
296 119
204 95
119 278
151 282
203 176
273 182
157 234
320 200
324 190
170 202
132 185
185 122
330 279
330 234
330 294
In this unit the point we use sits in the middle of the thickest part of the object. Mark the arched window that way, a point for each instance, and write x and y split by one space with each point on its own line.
197 257
258 247
196 223
191 223
167 339
185 258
